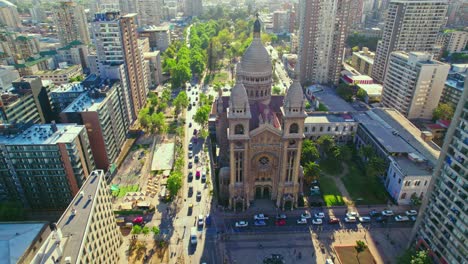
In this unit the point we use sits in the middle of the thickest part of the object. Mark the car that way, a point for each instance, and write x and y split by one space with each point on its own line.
203 177
190 124
411 212
194 103
280 222
260 217
190 146
374 213
317 221
198 195
241 224
190 164
190 176
138 220
190 154
190 191
197 159
208 219
381 219
197 174
412 218
301 221
329 261
314 183
281 216
195 132
260 223
350 219
352 214
401 218
306 215
200 220
387 212
319 215
364 219
190 209
334 220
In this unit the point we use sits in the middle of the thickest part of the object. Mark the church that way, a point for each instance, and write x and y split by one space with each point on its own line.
260 135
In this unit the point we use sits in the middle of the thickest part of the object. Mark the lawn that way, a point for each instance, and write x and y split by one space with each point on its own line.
331 194
221 77
347 255
125 189
362 189
331 166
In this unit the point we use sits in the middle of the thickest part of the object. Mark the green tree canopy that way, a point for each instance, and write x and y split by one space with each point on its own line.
411 256
311 172
202 114
181 101
309 152
443 112
276 90
345 91
326 144
174 182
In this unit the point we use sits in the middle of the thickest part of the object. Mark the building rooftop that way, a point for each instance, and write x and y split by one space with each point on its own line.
413 168
75 87
84 103
16 238
43 135
59 71
154 28
324 118
367 57
371 89
330 99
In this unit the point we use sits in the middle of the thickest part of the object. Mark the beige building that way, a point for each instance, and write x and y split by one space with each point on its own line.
9 16
193 7
87 231
409 26
260 135
70 20
456 41
413 84
340 126
61 76
363 61
159 36
322 33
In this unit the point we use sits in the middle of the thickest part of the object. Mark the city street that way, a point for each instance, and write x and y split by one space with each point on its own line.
284 80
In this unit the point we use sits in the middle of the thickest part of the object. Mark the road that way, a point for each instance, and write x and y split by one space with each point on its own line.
284 80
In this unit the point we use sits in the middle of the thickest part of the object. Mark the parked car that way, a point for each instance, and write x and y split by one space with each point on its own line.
190 164
260 223
190 191
138 220
364 219
190 209
197 174
411 212
190 176
401 218
190 146
412 218
329 261
198 195
208 219
280 222
317 221
195 132
387 212
350 219
374 213
194 103
203 177
301 221
242 224
200 221
281 216
306 215
196 159
381 219
334 221
319 215
352 214
190 124
190 154
260 217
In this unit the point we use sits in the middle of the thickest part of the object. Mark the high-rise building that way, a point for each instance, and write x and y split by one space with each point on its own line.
441 226
9 16
101 110
150 12
116 43
70 20
87 231
413 84
63 95
323 30
409 26
159 37
44 166
355 14
193 7
453 41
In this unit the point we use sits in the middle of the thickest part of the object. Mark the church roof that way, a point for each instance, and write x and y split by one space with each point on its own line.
256 57
295 95
239 98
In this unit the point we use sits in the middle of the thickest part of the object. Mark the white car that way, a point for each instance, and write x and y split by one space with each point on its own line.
242 224
306 215
260 217
401 218
301 221
317 221
352 214
319 215
364 219
387 212
200 220
411 212
281 216
350 219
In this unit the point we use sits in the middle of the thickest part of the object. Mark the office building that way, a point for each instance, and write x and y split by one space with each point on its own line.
87 231
363 61
453 41
70 20
63 95
441 226
323 31
116 43
454 85
44 166
75 53
413 84
409 26
193 8
159 36
150 12
9 15
101 110
61 75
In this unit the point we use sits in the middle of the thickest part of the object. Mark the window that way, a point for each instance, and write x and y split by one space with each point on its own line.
417 183
407 183
399 181
425 182
239 129
306 129
403 196
294 129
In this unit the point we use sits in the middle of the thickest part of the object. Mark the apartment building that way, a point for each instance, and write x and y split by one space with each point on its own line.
193 8
323 31
70 21
101 110
363 61
455 41
340 126
63 95
159 36
441 226
61 75
75 53
413 84
18 46
44 166
8 74
409 26
454 85
154 67
9 15
87 231
150 12
281 22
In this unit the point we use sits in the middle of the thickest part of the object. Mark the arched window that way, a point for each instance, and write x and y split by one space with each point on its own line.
294 129
239 129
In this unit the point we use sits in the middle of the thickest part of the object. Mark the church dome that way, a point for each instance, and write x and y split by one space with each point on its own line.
239 98
295 95
256 58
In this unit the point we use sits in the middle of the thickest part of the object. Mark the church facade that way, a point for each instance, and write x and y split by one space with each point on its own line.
260 135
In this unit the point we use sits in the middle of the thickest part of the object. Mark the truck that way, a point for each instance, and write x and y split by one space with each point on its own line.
193 235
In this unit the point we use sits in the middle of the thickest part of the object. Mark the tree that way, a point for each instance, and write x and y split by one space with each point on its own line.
145 230
415 200
181 101
203 133
153 99
326 144
155 230
276 90
366 152
361 94
345 91
443 112
411 256
376 166
174 182
311 172
360 247
346 153
168 64
355 49
136 229
309 152
180 74
202 114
